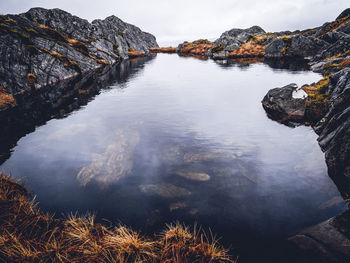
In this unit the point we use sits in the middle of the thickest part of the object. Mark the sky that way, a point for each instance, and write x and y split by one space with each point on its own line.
173 22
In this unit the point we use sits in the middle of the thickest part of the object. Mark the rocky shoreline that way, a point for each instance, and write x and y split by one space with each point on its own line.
49 57
325 104
44 50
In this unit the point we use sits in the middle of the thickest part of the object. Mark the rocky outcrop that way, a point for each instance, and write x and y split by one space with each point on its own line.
42 48
327 108
282 106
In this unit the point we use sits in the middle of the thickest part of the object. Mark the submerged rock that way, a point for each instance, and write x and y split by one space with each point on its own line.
193 176
115 163
164 190
177 206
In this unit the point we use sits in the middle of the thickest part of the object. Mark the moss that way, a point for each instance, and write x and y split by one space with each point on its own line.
286 38
31 30
120 33
115 49
340 55
105 37
53 33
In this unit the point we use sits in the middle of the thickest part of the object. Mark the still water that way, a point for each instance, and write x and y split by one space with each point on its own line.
182 139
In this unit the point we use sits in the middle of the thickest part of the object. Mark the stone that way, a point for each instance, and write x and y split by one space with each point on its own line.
168 191
280 105
202 177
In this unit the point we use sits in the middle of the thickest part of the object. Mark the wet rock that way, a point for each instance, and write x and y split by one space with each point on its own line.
202 177
334 130
164 190
282 107
177 206
115 163
215 155
322 243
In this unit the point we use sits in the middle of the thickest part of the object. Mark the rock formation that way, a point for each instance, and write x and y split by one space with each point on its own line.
41 48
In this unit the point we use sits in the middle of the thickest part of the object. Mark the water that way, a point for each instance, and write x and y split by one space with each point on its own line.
183 139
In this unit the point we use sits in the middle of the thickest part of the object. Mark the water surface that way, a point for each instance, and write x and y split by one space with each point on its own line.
183 139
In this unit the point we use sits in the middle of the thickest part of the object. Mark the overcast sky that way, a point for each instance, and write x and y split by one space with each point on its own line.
175 21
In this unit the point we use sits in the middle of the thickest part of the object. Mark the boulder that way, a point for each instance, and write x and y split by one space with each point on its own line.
280 105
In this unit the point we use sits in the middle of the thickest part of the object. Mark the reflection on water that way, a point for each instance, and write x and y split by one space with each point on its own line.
182 139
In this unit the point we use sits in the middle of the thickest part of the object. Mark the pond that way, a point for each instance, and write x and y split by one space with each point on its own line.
185 139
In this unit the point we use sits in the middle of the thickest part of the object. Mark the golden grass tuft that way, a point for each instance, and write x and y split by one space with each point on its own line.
248 49
6 100
28 235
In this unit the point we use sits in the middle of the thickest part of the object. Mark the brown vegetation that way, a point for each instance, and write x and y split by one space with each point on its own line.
6 100
248 49
198 47
317 100
28 235
163 49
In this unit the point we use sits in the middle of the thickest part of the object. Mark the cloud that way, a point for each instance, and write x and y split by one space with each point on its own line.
189 20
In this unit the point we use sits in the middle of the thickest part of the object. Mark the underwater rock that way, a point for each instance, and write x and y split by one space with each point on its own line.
164 190
193 176
115 163
177 206
214 155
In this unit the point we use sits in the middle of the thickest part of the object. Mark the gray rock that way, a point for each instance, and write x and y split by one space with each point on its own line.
275 48
54 45
343 14
233 38
282 107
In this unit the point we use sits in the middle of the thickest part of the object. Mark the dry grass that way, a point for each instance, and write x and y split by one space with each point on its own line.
163 49
248 49
28 235
6 100
198 47
318 100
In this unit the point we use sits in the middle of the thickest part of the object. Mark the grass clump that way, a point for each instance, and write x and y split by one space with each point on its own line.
6 100
29 235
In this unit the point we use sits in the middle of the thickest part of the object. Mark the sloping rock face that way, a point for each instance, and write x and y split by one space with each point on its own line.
43 47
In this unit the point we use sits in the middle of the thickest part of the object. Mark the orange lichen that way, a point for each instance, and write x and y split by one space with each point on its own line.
248 49
6 100
162 49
